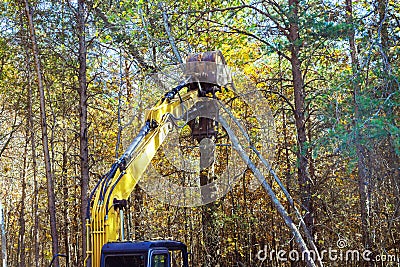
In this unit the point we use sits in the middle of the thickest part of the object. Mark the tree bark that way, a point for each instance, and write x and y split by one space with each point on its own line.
361 164
22 224
383 24
210 228
35 205
21 235
3 238
30 135
49 174
35 200
83 110
137 220
64 184
305 183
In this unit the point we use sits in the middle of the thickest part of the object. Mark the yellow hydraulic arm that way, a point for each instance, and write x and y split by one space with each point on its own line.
103 220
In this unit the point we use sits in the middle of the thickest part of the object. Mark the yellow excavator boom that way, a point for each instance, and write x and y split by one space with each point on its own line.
104 223
108 198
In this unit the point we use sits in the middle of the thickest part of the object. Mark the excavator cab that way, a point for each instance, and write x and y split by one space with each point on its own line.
158 253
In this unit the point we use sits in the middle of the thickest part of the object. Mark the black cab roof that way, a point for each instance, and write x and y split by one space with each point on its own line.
138 246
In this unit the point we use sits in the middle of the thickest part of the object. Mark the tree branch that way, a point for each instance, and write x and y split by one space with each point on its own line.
170 37
287 101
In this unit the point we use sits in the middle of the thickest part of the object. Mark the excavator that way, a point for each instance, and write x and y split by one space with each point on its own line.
204 75
202 96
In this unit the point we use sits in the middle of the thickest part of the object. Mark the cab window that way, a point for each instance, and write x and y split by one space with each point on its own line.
125 261
159 260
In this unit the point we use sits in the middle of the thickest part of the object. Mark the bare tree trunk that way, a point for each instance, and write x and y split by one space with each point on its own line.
35 205
30 137
64 184
49 174
383 22
3 237
31 134
169 34
288 174
21 235
275 201
305 183
22 224
83 134
362 168
138 206
210 227
35 201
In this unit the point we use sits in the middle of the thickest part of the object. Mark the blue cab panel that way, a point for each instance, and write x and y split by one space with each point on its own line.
158 253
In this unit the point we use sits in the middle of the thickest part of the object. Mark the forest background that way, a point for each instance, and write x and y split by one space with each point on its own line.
74 87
